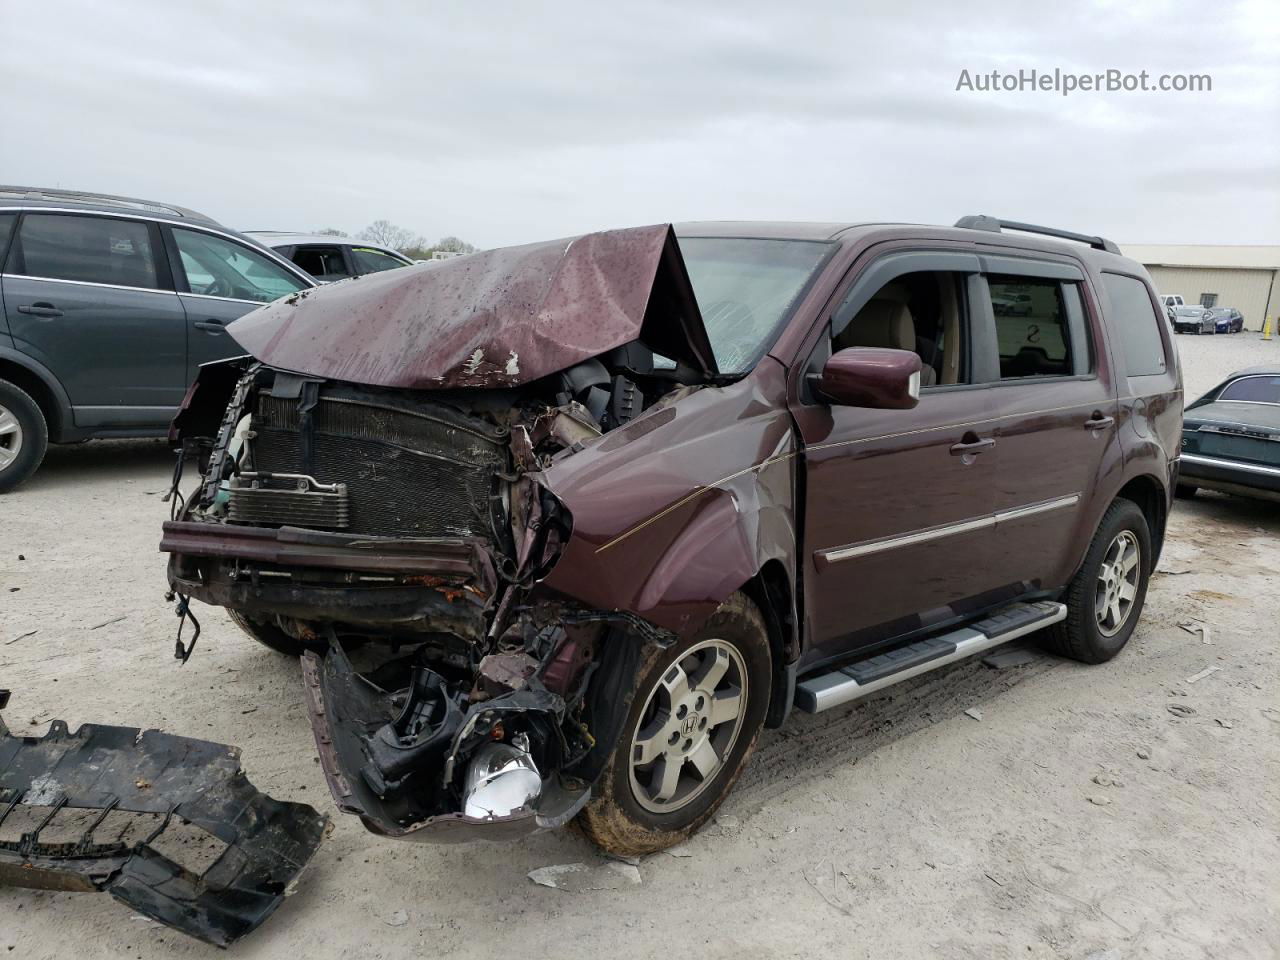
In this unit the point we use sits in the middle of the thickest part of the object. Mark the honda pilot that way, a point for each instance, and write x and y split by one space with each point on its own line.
557 529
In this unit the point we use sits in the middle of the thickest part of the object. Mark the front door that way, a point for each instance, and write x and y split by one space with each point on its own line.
898 504
220 280
86 297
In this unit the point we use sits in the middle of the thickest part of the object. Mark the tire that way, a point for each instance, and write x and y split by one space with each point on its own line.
25 436
269 635
1185 490
624 815
1085 635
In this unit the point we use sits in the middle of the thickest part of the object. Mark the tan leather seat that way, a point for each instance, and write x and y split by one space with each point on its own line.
884 323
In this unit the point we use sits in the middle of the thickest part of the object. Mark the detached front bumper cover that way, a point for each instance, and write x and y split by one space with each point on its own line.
168 825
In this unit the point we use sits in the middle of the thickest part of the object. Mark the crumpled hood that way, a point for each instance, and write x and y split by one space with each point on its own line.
492 319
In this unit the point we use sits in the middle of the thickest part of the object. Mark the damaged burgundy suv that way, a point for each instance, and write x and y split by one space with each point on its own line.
559 528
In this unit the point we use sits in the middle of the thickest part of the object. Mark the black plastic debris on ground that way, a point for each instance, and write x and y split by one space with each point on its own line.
168 825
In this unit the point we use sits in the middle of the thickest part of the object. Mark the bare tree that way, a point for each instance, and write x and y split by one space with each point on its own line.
454 245
389 235
330 232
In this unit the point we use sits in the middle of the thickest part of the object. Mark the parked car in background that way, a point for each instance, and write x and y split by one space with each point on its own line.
1193 320
1227 319
598 510
1231 437
329 258
1172 300
109 306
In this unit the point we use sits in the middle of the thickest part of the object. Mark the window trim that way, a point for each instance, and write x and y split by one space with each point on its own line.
15 256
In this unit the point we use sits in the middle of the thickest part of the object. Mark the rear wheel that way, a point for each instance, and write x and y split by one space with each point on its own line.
693 723
1104 599
269 635
24 436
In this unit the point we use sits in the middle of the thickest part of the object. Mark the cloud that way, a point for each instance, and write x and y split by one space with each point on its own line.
508 122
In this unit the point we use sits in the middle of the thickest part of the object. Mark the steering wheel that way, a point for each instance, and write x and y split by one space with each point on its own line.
219 288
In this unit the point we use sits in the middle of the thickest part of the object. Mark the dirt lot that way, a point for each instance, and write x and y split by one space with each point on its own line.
1078 818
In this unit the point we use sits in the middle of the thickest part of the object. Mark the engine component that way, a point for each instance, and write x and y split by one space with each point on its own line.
502 780
287 499
501 673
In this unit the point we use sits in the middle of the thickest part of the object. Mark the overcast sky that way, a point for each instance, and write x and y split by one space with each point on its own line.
504 122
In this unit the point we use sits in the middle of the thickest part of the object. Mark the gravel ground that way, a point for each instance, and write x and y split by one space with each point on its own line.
1079 817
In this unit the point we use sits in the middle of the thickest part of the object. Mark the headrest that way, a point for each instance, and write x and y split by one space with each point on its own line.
883 323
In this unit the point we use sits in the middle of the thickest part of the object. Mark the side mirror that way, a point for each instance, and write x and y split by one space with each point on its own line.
871 377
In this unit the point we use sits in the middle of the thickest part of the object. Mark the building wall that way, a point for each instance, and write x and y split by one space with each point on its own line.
1246 290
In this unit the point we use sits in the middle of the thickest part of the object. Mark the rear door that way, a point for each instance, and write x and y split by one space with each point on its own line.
1056 408
219 280
87 296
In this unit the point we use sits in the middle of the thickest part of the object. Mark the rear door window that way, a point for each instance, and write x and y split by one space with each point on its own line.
218 267
1136 325
1033 327
85 250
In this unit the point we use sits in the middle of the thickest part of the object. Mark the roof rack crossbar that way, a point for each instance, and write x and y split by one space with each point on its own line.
995 225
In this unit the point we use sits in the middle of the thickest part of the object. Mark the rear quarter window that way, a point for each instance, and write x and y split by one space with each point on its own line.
1135 325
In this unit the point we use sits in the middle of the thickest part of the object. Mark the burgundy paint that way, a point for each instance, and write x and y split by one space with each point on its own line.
870 377
492 319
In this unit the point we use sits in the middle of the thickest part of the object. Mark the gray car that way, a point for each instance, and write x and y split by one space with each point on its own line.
109 306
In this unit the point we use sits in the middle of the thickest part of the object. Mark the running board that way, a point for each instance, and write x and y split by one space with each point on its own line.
864 677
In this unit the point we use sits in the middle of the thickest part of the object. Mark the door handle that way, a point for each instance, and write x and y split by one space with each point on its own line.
40 308
213 326
1098 422
967 448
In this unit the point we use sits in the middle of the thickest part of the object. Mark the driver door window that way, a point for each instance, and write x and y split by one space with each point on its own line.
217 267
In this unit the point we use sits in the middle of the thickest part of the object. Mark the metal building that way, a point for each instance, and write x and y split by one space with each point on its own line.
1237 276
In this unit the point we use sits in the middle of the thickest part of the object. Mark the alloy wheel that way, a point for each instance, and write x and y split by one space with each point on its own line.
1117 583
10 437
690 722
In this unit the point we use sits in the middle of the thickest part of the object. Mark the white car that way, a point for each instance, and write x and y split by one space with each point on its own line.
329 258
1172 300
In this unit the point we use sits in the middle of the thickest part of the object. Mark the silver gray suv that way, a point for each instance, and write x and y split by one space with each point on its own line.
109 304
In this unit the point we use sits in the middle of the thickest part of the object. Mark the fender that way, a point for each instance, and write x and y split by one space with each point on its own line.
717 473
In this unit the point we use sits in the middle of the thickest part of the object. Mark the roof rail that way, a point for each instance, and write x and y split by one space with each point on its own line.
994 225
105 199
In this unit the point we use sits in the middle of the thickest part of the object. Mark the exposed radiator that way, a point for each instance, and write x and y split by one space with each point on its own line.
416 469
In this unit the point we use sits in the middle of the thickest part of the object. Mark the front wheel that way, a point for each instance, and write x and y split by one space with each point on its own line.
1104 599
693 723
269 635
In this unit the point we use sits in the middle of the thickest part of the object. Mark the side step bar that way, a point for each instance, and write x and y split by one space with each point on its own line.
827 690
